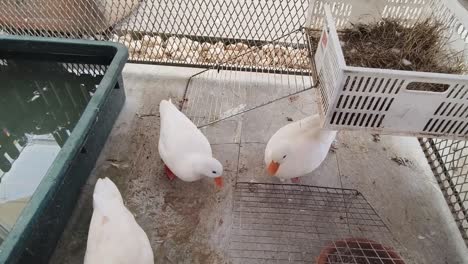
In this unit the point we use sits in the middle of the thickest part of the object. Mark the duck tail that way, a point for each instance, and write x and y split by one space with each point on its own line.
165 106
106 195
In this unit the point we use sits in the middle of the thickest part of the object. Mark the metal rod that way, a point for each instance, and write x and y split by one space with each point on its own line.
256 107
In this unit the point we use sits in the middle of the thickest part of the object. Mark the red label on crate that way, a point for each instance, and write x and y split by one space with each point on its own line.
324 39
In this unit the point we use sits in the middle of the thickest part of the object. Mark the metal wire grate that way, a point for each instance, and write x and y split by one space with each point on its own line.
246 81
173 32
275 223
449 162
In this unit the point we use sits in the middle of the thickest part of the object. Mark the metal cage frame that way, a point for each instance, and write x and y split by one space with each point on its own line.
448 160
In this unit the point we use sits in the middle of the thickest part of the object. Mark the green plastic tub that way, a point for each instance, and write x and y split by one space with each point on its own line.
58 102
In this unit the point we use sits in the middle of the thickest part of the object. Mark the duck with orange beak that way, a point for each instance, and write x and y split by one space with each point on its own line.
298 149
184 149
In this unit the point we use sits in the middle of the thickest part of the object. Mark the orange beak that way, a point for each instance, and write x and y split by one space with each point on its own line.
219 181
273 168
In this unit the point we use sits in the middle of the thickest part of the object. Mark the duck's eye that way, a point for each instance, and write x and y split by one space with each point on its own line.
284 156
214 172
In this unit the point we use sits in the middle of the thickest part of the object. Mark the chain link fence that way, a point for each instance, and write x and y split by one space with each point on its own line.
189 32
449 163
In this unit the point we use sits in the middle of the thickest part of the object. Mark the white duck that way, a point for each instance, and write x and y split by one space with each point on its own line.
298 148
114 235
184 149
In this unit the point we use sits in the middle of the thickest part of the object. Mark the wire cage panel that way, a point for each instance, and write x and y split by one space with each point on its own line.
63 18
300 224
250 79
449 162
181 32
255 20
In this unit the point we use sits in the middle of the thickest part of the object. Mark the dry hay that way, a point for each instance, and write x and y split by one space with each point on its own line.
387 44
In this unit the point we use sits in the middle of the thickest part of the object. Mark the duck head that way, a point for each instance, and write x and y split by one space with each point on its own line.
211 168
277 156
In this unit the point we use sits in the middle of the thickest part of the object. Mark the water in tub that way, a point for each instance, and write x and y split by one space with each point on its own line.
40 104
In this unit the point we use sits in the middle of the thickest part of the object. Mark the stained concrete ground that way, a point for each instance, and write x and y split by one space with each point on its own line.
190 222
464 3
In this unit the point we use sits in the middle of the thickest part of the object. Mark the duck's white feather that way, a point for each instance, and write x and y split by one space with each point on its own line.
180 141
114 236
308 145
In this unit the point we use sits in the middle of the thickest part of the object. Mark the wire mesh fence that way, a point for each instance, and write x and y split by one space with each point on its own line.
274 223
449 162
200 32
249 79
207 32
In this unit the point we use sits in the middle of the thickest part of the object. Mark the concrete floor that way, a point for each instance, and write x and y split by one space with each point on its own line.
190 222
464 3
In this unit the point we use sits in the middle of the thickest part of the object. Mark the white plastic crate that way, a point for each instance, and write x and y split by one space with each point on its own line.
377 100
